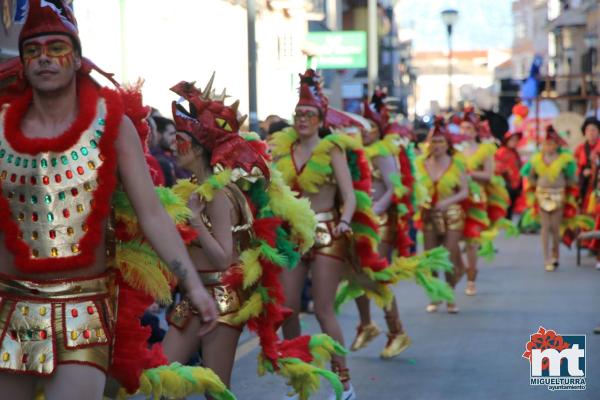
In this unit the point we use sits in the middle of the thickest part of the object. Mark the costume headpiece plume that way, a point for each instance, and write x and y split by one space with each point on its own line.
215 126
311 94
469 115
377 111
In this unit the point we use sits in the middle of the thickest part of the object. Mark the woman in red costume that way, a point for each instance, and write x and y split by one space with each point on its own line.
443 173
296 152
583 155
480 166
508 165
383 155
222 219
593 203
65 145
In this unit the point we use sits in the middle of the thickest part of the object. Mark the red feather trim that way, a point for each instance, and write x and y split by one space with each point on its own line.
495 213
131 355
187 233
234 277
156 173
107 177
364 219
136 111
297 348
403 241
88 99
266 229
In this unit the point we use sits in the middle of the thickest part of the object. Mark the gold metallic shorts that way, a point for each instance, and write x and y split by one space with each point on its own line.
326 243
227 299
440 222
47 323
388 226
550 199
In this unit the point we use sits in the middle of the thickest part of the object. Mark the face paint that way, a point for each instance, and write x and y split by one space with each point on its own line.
184 144
59 50
311 116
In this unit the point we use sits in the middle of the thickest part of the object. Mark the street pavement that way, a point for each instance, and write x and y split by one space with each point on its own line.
475 354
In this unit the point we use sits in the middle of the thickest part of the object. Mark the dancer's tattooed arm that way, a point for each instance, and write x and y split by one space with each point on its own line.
177 268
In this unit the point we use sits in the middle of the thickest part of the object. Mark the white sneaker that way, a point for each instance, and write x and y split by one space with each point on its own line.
598 265
349 394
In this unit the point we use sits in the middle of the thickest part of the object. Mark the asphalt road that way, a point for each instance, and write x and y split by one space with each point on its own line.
477 353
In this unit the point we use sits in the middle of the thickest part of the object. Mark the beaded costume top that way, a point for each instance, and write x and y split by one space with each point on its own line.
51 195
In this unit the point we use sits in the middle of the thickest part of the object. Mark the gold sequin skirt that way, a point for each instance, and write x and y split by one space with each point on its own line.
550 199
228 301
47 323
326 242
441 222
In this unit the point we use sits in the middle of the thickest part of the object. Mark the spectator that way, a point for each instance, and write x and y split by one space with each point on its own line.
163 146
508 165
277 126
265 125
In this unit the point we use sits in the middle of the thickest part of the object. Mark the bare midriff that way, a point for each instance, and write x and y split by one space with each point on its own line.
201 260
324 200
559 183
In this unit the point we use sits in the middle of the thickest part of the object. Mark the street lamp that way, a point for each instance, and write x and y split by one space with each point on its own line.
449 17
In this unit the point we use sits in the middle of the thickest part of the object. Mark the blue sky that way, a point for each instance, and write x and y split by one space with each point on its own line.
482 24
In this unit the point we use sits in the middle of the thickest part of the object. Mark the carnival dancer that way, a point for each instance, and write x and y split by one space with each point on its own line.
385 178
583 156
552 192
488 197
442 171
65 146
593 202
249 225
394 193
479 157
317 168
508 165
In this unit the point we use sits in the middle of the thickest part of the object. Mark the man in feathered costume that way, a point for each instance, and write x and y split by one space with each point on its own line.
65 146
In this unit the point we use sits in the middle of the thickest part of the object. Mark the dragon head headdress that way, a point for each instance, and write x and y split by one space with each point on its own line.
215 126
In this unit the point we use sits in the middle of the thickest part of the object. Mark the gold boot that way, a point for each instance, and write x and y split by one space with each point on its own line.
364 335
396 344
549 267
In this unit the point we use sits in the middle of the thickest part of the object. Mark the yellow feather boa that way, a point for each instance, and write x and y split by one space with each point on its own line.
446 185
297 212
551 172
388 146
318 167
483 152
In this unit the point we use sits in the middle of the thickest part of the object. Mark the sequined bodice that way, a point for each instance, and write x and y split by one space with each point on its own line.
50 195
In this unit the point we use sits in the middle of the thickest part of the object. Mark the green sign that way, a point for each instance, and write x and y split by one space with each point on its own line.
338 50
